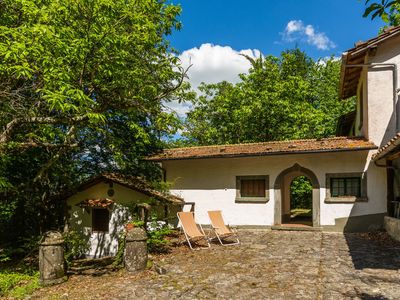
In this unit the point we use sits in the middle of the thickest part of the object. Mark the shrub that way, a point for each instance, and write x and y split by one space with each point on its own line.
156 233
76 245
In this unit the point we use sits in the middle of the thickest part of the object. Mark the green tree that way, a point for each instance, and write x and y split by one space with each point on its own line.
301 193
82 87
387 10
286 97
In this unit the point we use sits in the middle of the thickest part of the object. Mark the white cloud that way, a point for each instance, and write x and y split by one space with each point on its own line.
212 64
181 109
296 30
215 63
294 26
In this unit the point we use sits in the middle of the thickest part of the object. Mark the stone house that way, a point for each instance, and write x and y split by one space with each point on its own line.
250 182
100 207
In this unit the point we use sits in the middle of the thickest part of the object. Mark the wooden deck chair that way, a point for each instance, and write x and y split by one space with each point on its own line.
220 229
191 230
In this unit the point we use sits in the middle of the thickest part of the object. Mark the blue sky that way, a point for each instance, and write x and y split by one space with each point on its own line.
216 32
259 24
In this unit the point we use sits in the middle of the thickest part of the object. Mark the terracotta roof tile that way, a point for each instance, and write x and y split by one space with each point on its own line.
386 149
266 148
99 203
131 182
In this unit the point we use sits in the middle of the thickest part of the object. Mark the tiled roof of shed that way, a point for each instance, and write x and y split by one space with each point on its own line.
389 147
131 182
266 148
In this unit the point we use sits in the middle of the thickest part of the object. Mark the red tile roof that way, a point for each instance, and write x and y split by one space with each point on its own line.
388 148
266 148
131 182
99 203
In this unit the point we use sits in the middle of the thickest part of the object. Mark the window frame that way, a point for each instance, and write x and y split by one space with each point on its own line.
346 199
93 217
240 199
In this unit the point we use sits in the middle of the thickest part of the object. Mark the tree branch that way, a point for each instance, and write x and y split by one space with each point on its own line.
11 126
70 136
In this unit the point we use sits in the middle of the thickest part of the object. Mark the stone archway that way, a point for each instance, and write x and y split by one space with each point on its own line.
280 189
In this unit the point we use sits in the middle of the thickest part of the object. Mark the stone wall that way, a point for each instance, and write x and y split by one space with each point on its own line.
392 226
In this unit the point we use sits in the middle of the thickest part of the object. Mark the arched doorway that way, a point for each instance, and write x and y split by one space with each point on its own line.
282 194
299 202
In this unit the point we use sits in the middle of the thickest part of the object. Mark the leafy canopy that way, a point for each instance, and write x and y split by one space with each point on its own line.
387 10
286 97
82 87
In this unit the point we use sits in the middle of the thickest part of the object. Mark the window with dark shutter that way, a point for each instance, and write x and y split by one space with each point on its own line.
252 188
100 220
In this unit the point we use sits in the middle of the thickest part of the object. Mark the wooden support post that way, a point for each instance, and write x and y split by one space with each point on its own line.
144 213
390 187
166 213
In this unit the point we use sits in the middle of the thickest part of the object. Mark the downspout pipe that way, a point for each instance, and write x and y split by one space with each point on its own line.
395 84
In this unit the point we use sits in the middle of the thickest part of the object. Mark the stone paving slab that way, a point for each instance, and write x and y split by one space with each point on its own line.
272 265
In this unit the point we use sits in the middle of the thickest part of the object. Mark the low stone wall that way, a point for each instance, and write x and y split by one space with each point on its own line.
392 226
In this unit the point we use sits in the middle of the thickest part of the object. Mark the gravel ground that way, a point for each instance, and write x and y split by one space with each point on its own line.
267 265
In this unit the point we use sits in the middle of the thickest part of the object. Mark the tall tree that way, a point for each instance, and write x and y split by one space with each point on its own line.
82 87
286 97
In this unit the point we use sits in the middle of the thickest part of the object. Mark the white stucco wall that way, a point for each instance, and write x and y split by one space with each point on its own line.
104 243
211 184
362 96
380 118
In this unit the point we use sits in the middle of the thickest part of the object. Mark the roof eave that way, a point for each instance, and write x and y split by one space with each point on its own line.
104 178
161 159
387 150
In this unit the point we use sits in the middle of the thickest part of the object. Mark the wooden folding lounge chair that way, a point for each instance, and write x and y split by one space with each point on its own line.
220 229
190 229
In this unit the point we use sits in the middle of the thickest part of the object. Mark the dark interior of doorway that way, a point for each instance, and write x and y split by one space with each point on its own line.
301 201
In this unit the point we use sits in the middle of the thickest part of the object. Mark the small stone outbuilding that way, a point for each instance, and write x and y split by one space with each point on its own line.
100 207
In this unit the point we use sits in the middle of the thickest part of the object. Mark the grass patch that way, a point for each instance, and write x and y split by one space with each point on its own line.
18 284
300 212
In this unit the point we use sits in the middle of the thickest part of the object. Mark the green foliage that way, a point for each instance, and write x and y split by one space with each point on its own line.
156 237
286 97
387 10
301 193
18 284
76 245
119 257
82 91
157 231
5 255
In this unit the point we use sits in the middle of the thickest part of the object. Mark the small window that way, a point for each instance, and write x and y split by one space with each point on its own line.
346 187
252 188
100 220
350 186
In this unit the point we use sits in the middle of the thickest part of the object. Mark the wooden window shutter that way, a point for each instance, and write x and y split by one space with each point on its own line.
252 188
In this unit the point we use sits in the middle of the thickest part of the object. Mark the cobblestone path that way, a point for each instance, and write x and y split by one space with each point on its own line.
267 265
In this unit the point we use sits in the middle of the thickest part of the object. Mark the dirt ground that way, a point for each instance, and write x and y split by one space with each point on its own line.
266 265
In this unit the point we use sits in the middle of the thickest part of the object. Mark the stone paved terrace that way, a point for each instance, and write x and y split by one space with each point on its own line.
267 265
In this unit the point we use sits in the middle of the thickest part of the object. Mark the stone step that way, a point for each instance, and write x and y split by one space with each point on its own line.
295 227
